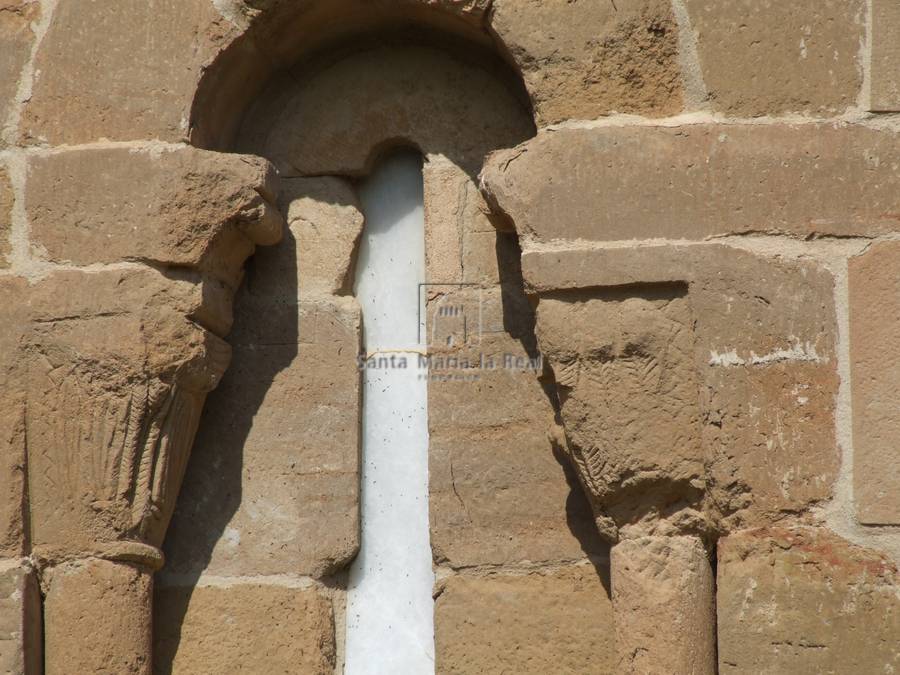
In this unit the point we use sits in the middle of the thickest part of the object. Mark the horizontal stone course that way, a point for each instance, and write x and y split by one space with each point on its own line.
172 205
805 601
770 58
556 620
581 60
124 75
699 180
243 628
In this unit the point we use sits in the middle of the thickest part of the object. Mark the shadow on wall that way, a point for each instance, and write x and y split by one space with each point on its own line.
265 341
519 321
324 127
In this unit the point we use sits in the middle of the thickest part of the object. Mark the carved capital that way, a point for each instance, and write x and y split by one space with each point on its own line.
116 361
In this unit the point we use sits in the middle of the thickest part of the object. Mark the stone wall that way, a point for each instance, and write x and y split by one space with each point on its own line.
688 209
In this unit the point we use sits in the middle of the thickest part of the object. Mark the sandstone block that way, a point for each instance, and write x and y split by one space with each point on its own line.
326 222
501 496
550 621
581 60
363 103
116 375
885 64
498 493
16 38
775 58
97 619
695 181
99 77
805 601
243 628
282 435
6 205
12 466
762 349
875 368
13 326
766 330
182 207
627 384
20 620
663 597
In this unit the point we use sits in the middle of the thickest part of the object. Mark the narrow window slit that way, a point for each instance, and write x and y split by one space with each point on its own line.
390 625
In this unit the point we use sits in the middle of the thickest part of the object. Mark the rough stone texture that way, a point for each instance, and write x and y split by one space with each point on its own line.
498 494
281 435
624 370
6 205
766 332
16 38
377 98
282 431
244 628
663 596
116 375
99 76
695 181
20 620
770 58
179 206
875 364
805 601
581 60
97 619
12 417
324 216
885 64
558 620
762 356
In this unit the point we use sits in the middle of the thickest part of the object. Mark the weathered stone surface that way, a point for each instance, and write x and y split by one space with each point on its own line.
6 205
624 370
97 619
556 620
381 97
581 60
16 38
20 620
766 330
696 181
116 374
663 597
324 217
780 57
13 322
497 493
123 75
805 601
885 63
273 484
771 437
761 354
180 206
875 369
243 628
460 237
